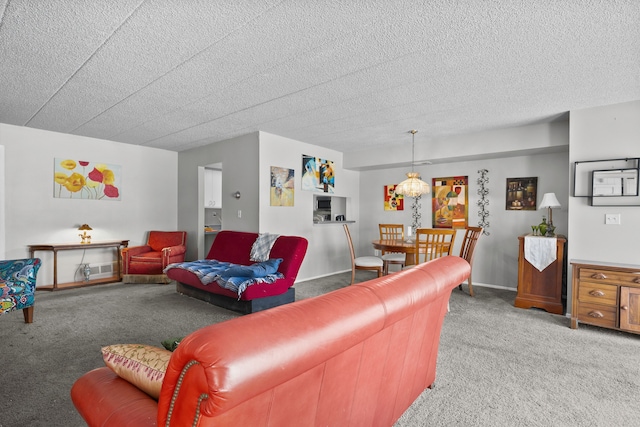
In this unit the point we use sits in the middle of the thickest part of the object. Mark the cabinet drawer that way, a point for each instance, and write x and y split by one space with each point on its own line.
609 276
598 293
601 315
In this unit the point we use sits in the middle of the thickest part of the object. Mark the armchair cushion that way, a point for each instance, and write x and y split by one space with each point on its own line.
18 285
159 240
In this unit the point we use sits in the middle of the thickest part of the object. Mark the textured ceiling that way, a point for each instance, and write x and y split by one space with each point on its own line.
347 75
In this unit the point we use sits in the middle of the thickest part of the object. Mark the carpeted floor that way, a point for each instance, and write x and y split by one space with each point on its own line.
497 365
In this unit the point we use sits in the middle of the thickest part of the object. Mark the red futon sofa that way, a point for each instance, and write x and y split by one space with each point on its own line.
357 356
235 247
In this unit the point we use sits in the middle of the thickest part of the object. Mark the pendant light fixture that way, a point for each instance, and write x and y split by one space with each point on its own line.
413 186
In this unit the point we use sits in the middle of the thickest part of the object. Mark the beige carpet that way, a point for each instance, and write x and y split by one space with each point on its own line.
497 366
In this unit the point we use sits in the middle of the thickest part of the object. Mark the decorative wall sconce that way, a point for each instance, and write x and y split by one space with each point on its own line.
86 239
236 194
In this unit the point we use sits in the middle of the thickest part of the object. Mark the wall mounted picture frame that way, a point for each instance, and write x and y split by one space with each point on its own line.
522 194
80 179
317 174
392 200
450 202
282 190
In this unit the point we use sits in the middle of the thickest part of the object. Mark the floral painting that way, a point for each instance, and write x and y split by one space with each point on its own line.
317 174
281 192
80 179
450 202
392 200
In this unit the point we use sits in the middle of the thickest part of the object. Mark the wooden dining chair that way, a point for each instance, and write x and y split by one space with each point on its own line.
471 236
364 262
432 243
391 232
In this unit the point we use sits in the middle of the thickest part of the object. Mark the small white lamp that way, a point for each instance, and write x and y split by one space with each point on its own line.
549 201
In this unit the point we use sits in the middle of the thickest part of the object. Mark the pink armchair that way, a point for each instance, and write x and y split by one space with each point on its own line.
145 264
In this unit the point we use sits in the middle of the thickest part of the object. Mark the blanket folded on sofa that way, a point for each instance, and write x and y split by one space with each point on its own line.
234 277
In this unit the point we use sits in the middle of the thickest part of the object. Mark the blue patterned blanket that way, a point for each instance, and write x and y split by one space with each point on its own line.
234 277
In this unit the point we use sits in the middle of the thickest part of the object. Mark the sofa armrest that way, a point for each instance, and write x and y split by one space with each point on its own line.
175 250
135 250
172 252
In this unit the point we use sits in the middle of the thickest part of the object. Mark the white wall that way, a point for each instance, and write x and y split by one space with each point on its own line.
608 132
2 179
33 215
328 251
496 259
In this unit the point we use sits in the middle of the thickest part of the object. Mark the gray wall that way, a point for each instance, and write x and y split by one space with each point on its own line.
496 259
240 160
608 132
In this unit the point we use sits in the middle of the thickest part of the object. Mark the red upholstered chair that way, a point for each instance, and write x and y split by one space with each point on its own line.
145 264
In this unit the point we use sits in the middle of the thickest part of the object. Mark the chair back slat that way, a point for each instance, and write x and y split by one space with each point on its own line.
432 243
391 232
471 236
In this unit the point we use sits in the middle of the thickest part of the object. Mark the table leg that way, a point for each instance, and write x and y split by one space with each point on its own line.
55 269
409 259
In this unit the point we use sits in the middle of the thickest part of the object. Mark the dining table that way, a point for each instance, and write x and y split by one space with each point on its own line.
407 247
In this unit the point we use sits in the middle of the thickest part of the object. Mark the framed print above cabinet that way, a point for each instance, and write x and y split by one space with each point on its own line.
522 194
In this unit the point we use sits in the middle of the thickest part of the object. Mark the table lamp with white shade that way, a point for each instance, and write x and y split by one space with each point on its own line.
549 201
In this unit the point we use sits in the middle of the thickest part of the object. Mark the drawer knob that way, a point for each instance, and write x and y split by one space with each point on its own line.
624 307
596 314
596 293
598 276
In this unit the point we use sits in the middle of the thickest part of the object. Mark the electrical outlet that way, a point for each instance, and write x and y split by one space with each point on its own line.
612 219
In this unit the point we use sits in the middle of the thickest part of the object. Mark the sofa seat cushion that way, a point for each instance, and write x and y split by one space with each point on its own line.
142 365
213 272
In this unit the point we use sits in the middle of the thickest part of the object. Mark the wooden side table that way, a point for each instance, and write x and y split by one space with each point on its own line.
117 244
542 289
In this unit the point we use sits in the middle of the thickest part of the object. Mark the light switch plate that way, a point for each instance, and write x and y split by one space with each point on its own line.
612 219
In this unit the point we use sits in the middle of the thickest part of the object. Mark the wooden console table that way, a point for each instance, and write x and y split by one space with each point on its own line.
117 244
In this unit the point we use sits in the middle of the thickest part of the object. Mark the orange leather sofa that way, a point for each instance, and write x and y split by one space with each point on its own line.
357 356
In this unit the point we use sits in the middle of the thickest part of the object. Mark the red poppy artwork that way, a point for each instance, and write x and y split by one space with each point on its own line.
81 179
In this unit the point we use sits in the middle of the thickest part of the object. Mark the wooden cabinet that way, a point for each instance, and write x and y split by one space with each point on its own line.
606 295
541 289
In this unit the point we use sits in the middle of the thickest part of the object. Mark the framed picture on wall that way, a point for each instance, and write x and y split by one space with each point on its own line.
450 202
392 200
317 174
522 194
80 179
282 188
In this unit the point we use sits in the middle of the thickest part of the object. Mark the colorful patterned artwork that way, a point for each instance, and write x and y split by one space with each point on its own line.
450 202
392 200
282 191
80 179
317 174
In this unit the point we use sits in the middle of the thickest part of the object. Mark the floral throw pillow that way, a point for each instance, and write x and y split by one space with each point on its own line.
142 365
